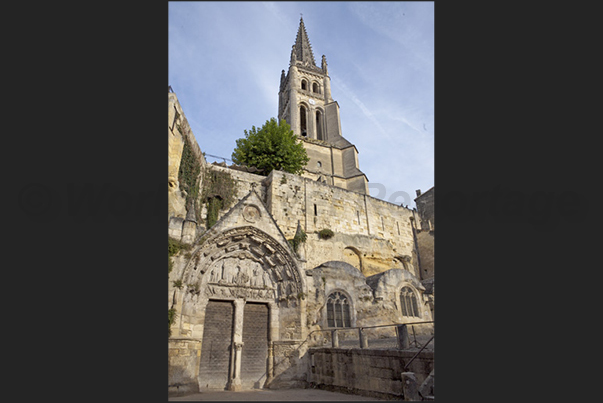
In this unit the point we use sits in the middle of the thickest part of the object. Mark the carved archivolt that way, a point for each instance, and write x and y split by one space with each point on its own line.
245 263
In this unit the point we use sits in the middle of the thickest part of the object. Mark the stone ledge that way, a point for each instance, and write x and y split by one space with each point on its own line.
356 391
182 389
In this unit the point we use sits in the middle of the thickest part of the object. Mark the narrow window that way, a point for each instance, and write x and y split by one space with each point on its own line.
315 210
304 85
319 164
398 225
415 308
302 120
315 87
319 125
330 315
358 214
382 225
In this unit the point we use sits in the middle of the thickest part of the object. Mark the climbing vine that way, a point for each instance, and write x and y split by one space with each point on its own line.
171 319
299 238
174 247
218 193
188 174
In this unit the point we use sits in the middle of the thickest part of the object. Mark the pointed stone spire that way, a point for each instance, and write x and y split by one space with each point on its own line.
283 81
302 47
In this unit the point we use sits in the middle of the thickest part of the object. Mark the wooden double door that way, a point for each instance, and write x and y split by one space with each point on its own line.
217 363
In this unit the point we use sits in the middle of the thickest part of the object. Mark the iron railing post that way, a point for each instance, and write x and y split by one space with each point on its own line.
402 337
334 339
362 337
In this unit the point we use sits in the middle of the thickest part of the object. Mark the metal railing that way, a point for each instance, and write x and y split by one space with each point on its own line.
394 336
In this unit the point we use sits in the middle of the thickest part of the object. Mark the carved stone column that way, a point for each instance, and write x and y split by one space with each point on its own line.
270 369
235 384
237 339
273 331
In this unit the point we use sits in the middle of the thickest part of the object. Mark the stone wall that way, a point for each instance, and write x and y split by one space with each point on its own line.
245 181
425 207
178 128
334 165
183 356
366 372
376 229
425 244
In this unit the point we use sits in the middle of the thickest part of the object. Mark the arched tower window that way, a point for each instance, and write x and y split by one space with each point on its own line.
315 88
304 84
408 301
338 310
302 121
319 135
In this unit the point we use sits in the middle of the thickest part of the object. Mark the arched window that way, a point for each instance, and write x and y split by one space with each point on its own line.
302 121
319 125
338 310
304 84
315 88
408 301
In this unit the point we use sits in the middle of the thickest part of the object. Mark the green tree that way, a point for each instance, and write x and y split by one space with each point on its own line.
274 146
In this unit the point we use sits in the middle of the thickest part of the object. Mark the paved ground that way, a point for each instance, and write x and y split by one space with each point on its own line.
261 395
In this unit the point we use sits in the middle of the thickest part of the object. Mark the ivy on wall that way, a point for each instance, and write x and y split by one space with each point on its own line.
188 174
299 238
174 247
171 319
219 191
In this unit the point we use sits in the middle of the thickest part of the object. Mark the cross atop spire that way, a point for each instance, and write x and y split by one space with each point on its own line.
302 48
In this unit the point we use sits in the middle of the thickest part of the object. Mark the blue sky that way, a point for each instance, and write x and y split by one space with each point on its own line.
225 62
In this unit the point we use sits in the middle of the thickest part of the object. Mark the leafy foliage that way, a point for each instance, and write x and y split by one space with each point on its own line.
188 174
299 238
218 192
174 246
171 319
274 146
325 233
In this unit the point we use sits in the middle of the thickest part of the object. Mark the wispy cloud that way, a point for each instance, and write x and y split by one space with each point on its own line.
340 85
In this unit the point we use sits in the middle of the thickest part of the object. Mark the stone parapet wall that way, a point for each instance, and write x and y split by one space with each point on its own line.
366 372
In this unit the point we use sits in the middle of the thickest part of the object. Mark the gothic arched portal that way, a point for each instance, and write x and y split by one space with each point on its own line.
245 277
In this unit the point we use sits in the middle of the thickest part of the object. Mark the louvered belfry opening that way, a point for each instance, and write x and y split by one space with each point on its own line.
302 121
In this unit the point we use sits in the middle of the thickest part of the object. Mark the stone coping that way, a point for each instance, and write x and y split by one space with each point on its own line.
367 351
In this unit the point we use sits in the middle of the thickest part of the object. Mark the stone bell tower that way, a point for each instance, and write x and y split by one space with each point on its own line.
305 103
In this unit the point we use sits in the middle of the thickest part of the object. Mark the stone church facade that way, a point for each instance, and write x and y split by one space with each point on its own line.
247 303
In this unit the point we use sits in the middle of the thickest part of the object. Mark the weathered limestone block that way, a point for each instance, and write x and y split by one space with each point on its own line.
175 227
410 387
183 363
